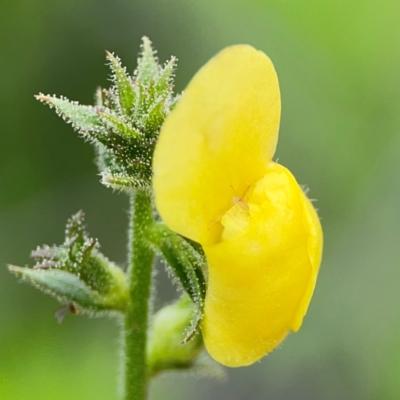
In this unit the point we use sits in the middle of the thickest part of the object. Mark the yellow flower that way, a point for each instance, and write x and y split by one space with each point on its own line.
215 183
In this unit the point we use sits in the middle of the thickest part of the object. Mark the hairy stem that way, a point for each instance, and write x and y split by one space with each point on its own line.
137 317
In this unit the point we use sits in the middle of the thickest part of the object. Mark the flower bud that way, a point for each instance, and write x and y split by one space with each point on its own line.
76 272
166 347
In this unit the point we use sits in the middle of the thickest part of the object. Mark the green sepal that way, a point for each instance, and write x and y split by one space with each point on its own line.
165 78
155 117
125 122
187 264
84 119
147 63
166 350
64 286
120 127
126 92
121 182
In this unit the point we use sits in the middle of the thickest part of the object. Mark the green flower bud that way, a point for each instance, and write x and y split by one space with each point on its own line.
167 346
76 272
125 122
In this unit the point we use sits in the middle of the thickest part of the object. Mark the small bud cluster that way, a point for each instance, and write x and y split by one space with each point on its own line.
78 255
77 272
126 120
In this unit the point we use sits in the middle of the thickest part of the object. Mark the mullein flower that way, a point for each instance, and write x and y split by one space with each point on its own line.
215 183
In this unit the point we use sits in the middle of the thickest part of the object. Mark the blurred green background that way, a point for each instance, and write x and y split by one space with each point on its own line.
338 62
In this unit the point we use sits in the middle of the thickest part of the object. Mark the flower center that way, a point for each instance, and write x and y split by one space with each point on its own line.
270 195
236 220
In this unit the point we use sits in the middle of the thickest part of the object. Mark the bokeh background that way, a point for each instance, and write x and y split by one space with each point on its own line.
338 62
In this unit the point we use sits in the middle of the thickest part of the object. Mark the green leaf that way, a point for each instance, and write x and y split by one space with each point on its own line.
126 93
83 118
120 127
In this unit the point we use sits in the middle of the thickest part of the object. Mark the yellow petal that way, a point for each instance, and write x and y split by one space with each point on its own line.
216 142
262 274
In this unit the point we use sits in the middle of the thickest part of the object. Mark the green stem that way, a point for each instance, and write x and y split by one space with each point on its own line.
137 316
